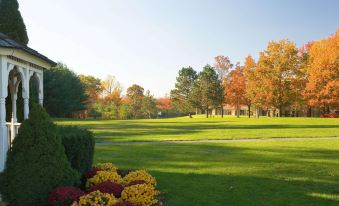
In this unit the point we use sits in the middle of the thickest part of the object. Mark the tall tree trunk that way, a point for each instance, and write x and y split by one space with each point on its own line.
207 112
222 111
249 111
238 111
190 115
309 111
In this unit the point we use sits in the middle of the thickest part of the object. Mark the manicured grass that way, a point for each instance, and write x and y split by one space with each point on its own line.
199 128
293 172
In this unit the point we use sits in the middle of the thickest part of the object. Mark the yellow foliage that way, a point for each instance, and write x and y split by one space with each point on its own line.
106 167
141 195
139 175
103 176
96 198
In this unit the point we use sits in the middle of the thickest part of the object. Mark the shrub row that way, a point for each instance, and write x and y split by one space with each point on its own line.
45 156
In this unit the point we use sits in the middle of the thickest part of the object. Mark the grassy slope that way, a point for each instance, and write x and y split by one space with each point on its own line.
212 128
293 173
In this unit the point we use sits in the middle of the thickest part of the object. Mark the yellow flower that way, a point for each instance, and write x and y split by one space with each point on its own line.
140 195
96 198
103 176
139 175
105 167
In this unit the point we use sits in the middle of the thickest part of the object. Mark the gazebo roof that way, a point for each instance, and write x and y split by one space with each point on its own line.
6 42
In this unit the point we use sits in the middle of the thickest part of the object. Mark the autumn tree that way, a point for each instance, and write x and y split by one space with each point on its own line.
207 89
92 86
323 73
222 66
110 85
182 94
235 86
164 104
135 95
277 68
255 93
11 22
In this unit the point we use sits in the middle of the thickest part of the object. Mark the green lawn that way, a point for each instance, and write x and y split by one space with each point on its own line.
213 128
293 173
289 172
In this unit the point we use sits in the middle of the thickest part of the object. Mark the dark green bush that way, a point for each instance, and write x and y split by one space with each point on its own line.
79 147
36 164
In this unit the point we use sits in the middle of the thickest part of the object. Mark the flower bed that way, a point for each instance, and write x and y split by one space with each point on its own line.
106 185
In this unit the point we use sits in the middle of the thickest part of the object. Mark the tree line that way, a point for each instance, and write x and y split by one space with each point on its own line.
302 79
68 94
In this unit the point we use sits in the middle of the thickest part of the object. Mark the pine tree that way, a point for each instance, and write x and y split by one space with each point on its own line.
11 22
36 164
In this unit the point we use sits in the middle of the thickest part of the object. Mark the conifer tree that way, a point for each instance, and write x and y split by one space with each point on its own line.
36 163
11 22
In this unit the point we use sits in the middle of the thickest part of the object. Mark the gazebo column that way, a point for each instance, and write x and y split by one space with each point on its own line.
3 128
25 92
26 107
14 97
41 89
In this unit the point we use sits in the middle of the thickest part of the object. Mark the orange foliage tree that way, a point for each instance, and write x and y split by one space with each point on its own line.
235 85
323 73
277 69
165 104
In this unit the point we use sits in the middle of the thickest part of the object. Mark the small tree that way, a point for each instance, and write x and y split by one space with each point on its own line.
222 66
36 163
11 22
149 105
135 96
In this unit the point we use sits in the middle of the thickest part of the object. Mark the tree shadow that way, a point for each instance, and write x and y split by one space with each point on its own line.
222 174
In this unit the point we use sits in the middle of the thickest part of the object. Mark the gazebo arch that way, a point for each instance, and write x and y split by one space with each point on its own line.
18 64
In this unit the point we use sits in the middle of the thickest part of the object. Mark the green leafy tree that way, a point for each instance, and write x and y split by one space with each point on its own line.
149 105
64 93
36 163
207 89
181 96
11 22
135 95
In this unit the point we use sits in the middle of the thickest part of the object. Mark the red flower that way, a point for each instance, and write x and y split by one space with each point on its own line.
91 173
64 195
108 187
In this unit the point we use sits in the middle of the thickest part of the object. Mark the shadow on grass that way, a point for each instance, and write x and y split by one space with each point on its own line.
219 190
221 174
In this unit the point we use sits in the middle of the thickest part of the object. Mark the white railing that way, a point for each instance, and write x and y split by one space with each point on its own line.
12 131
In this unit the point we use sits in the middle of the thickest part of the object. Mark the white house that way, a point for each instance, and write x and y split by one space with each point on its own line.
18 64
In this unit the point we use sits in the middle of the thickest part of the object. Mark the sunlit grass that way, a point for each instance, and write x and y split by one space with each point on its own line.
293 173
199 128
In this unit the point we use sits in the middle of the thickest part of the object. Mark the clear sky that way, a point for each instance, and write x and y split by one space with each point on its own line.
147 41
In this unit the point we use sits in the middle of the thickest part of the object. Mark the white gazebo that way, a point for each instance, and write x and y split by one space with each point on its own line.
18 65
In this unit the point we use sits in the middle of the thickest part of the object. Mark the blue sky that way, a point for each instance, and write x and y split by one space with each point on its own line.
147 41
